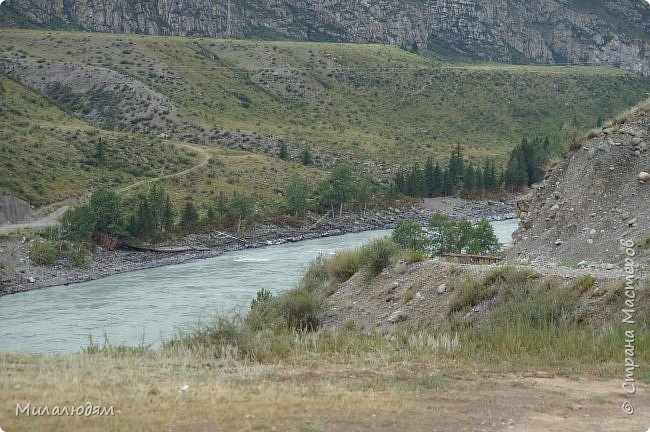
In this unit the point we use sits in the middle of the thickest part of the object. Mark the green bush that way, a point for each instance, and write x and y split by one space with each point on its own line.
457 236
316 278
645 242
79 258
263 313
299 309
509 275
78 223
471 292
410 235
538 306
376 256
223 332
584 283
411 256
43 253
52 233
344 264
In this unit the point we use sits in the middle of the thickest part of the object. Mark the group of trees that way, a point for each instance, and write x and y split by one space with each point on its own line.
465 178
527 162
340 189
446 235
230 212
154 214
457 177
150 217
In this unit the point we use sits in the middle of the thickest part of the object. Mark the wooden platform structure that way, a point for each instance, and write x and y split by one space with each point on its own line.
470 259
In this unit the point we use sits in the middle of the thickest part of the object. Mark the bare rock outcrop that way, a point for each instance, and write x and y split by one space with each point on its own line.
546 31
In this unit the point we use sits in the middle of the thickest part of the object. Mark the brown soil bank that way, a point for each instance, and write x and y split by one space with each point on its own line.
592 198
423 295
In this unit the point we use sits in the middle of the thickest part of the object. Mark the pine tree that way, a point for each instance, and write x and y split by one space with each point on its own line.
156 200
168 214
99 155
284 153
469 180
429 177
189 217
306 157
143 219
437 180
211 217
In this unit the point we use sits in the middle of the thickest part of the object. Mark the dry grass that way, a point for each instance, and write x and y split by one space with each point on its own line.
144 389
386 386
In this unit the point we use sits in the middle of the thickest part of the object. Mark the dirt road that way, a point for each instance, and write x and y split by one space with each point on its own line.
52 218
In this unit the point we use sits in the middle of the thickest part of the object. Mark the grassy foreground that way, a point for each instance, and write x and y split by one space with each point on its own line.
323 382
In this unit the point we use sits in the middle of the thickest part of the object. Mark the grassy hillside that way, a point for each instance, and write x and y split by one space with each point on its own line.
47 155
232 171
360 100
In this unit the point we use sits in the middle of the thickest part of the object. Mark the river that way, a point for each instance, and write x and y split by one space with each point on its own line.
148 306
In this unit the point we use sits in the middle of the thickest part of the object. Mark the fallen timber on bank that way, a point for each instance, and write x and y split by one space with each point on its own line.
166 249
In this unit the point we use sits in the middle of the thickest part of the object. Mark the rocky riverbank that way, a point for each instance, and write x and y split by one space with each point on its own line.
22 275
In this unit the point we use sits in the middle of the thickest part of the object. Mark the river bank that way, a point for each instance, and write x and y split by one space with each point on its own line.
23 276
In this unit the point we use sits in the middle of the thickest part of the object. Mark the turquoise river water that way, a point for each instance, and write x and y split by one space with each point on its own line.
148 306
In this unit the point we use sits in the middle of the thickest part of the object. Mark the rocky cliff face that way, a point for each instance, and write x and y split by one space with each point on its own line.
546 31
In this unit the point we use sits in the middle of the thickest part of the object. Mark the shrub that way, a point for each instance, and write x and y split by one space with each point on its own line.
52 233
376 255
584 283
299 309
79 258
78 223
316 278
263 314
645 243
43 253
223 332
508 274
471 292
537 306
411 256
343 265
410 235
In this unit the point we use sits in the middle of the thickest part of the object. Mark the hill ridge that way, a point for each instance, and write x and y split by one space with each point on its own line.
547 31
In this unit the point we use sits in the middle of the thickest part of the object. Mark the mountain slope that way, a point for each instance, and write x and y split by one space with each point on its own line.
48 155
377 105
548 31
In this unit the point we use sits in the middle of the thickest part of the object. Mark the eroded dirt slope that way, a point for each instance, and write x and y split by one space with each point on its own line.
590 200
